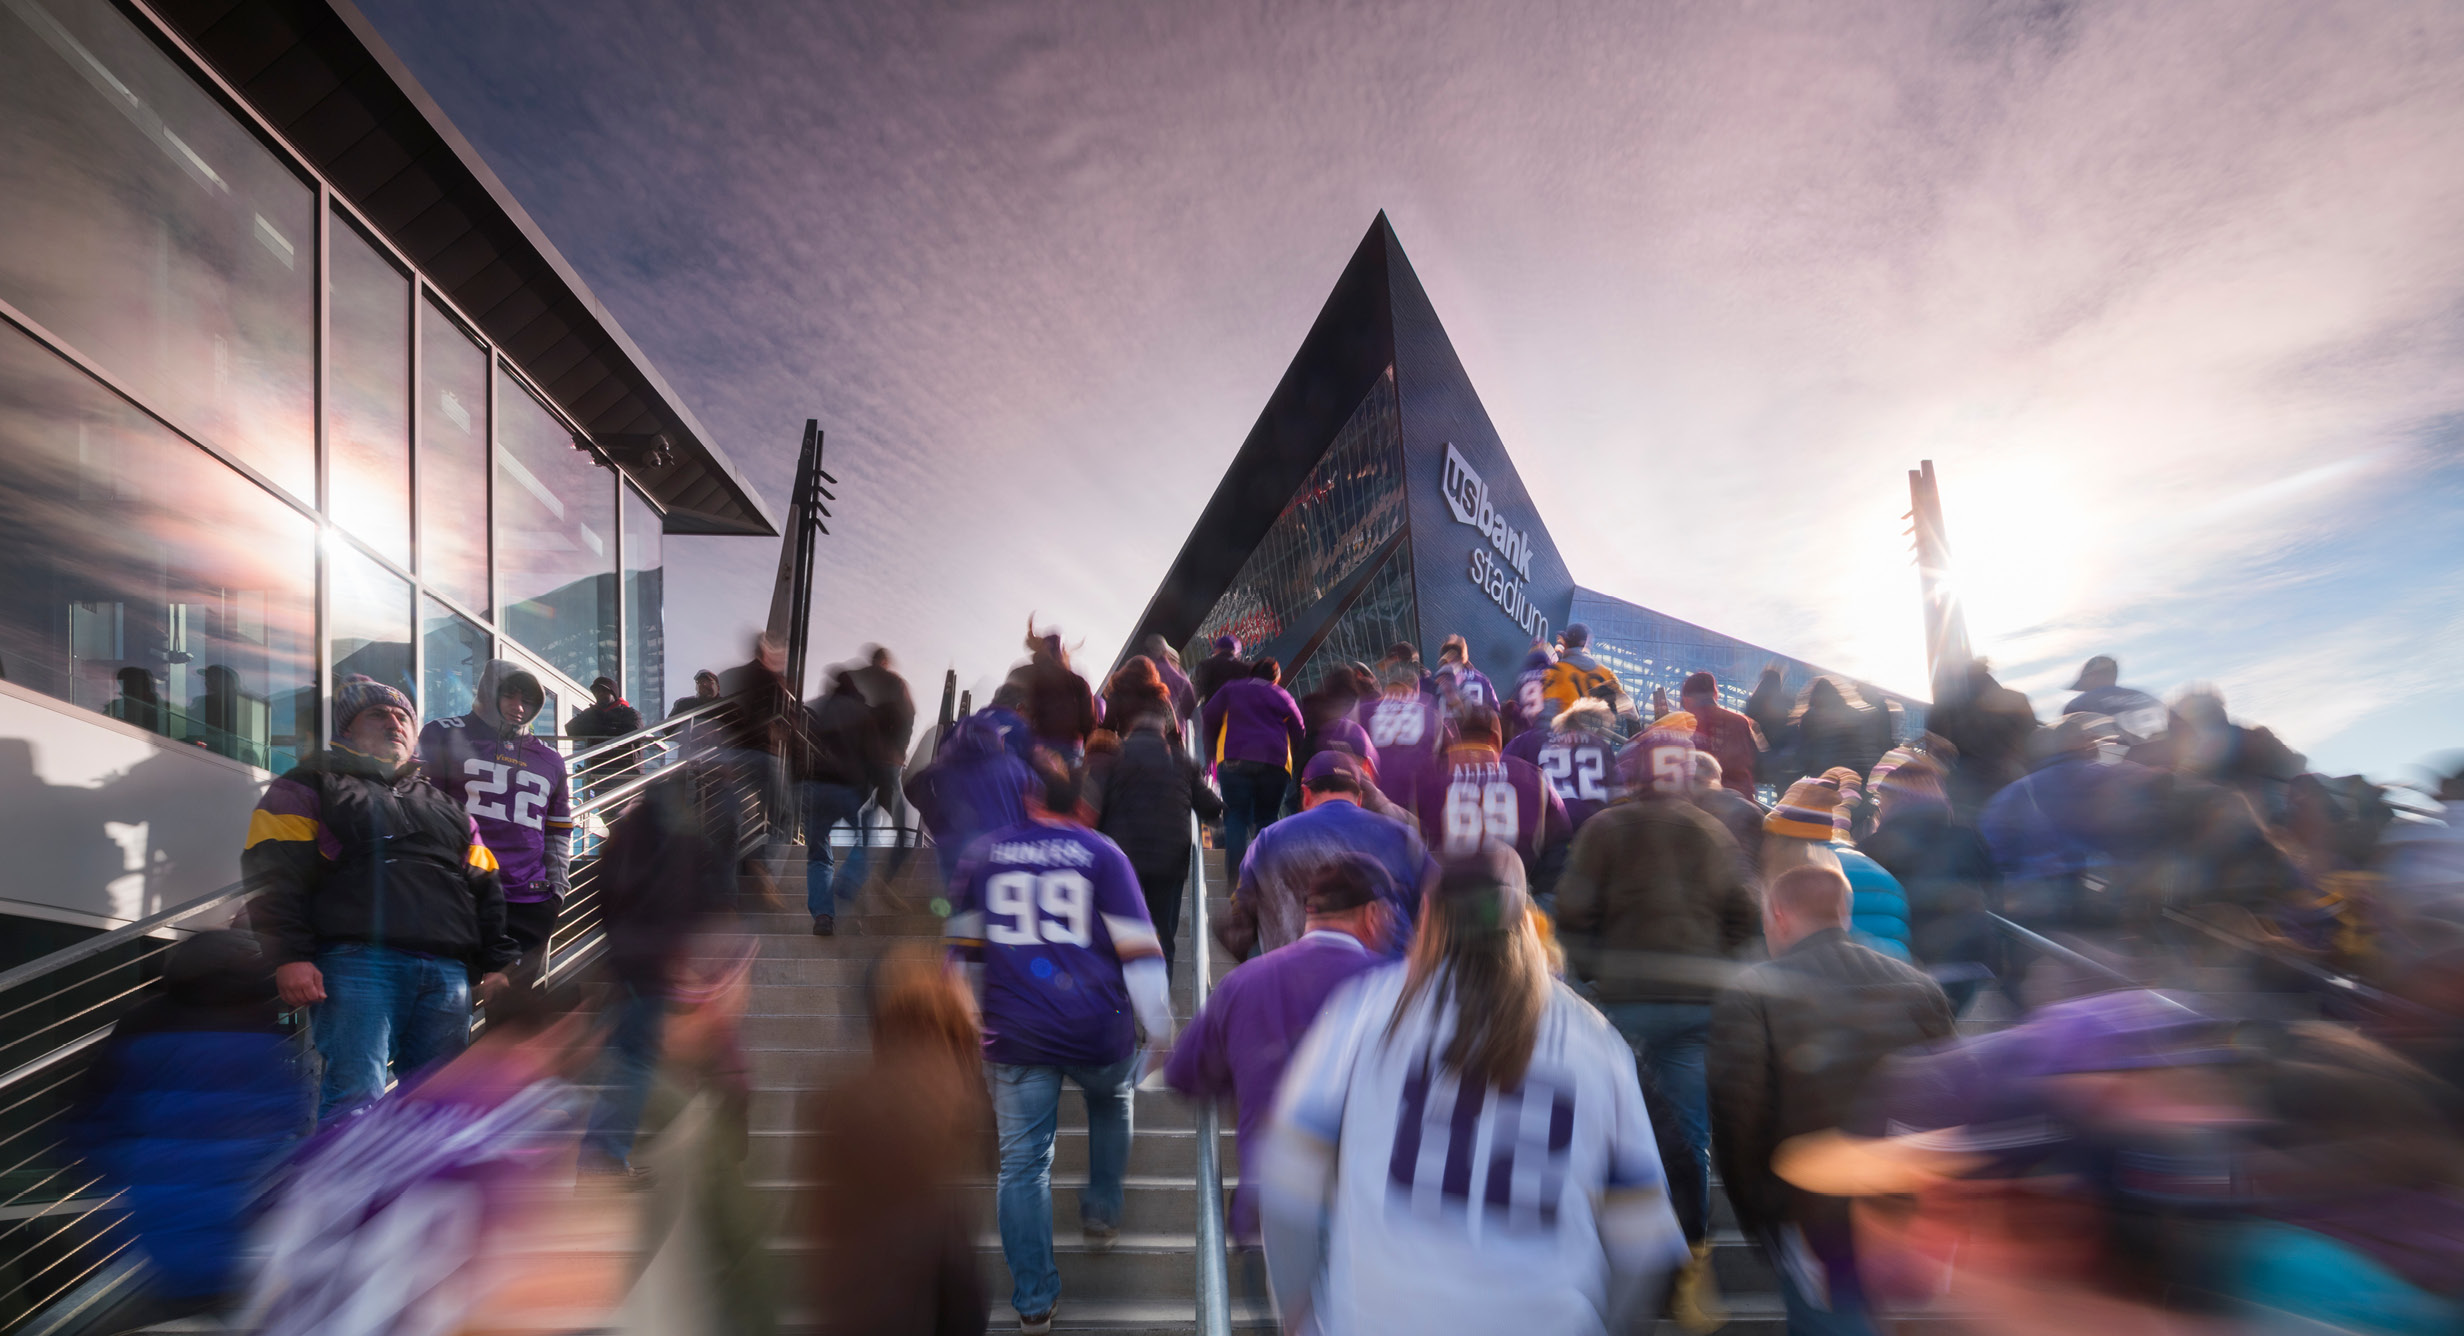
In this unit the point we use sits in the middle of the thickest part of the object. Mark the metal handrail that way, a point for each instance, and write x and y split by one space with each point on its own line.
1214 1275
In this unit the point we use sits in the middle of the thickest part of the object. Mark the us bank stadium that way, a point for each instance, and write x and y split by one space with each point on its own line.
1373 503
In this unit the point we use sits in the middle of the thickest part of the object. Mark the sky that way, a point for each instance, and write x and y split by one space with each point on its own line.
2171 293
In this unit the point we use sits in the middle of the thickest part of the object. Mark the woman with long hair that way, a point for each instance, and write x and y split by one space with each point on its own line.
893 1144
1461 1144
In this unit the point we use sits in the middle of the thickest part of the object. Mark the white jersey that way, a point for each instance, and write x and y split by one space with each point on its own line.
1468 1211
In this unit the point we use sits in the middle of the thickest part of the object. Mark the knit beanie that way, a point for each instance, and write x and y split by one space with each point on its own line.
1910 776
1804 812
360 692
1843 814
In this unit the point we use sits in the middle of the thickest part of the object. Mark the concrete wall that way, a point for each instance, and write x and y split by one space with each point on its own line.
102 823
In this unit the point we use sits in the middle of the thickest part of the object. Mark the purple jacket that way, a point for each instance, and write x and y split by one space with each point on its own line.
976 784
1246 1035
1252 719
1176 685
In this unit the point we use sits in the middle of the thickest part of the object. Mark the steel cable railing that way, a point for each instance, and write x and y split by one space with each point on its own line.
1214 1272
54 1237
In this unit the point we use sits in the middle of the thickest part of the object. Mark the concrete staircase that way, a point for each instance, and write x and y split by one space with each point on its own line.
806 1014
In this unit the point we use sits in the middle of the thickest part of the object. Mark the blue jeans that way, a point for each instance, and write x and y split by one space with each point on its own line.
1670 1038
626 1067
1847 1316
826 807
1026 1102
1252 794
385 1010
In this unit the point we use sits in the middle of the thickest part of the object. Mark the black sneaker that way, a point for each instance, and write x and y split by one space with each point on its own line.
825 925
1037 1324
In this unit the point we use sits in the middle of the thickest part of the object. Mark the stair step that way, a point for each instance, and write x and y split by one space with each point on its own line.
1152 1151
775 1110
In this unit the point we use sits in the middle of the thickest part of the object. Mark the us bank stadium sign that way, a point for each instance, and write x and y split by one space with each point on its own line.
1501 568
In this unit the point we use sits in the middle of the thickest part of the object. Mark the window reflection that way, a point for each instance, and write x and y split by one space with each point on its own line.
368 379
145 579
456 650
555 539
367 618
453 459
645 608
147 227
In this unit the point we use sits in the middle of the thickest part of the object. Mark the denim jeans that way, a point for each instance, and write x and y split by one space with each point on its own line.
385 1010
1670 1038
1026 1102
826 807
626 1067
1252 793
1843 1316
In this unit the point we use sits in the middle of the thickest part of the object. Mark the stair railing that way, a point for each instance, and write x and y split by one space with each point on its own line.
1214 1273
58 1244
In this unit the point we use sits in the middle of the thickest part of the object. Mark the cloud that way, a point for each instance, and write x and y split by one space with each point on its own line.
2167 291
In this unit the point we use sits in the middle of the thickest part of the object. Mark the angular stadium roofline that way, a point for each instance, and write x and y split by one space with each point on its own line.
319 75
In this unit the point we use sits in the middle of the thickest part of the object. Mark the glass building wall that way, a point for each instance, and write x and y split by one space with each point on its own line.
1649 649
146 227
1384 613
645 578
555 538
159 268
1348 506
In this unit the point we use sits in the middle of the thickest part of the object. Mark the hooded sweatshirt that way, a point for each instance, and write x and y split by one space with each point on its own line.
512 784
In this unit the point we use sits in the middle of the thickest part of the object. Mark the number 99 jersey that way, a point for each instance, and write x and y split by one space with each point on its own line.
1052 910
515 790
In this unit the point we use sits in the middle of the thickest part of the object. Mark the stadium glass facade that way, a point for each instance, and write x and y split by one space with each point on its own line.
1394 497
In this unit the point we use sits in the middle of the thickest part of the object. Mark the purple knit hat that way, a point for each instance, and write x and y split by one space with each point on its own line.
359 692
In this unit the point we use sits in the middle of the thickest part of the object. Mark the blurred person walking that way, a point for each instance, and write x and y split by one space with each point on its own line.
1252 731
1144 794
515 787
1060 707
1943 867
1654 909
893 707
760 732
1578 754
1728 736
1772 709
840 764
2137 716
609 715
1807 829
1052 913
1988 726
1241 1040
1526 706
974 785
376 900
1483 795
892 1148
1577 676
1136 688
1223 665
1793 1040
185 1113
1184 693
1738 814
1370 1218
1409 732
705 692
1836 729
1459 684
1270 896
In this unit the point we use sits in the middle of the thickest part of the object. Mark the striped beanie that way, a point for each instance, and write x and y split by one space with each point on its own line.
360 692
1910 775
1851 792
1804 812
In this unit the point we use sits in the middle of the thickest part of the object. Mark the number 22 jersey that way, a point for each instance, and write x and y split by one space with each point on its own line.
1053 911
515 790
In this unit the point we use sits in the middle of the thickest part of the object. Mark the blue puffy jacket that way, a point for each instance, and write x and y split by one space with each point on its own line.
1878 908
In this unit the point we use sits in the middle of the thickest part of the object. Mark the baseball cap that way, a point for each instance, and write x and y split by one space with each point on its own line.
1228 644
2102 667
1330 764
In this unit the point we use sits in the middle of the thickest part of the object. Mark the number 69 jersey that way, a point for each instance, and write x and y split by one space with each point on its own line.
1479 796
515 790
1053 911
1456 1208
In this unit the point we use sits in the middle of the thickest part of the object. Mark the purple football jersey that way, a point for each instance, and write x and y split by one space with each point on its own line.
1052 910
1483 795
1409 733
513 787
1582 768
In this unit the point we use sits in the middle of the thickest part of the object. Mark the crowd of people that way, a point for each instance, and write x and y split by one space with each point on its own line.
2120 1017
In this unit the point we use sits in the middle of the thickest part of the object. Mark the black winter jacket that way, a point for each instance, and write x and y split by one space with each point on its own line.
1143 799
342 850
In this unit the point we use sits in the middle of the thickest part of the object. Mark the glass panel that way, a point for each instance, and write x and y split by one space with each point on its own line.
457 649
368 618
148 228
368 427
1348 505
453 460
645 609
555 539
142 577
1384 613
1648 649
